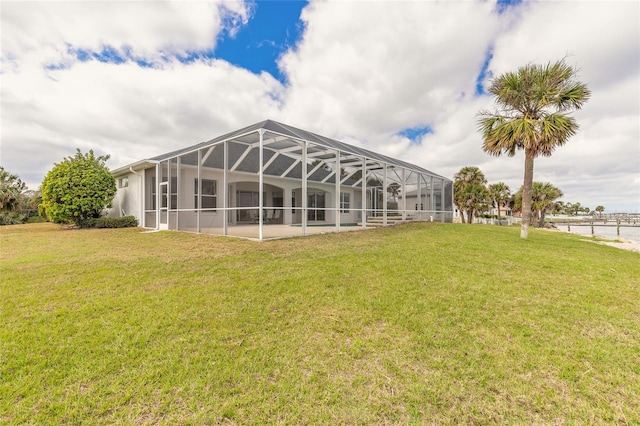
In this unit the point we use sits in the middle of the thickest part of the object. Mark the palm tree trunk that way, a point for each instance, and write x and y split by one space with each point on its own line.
527 190
543 213
498 203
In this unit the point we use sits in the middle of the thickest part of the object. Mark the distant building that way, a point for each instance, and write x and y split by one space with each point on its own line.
504 211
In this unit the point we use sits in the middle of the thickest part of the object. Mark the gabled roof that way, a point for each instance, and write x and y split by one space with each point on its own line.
293 133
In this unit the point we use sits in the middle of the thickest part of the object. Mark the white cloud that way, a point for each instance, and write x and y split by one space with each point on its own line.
366 68
147 30
602 39
129 111
125 110
599 37
363 72
369 70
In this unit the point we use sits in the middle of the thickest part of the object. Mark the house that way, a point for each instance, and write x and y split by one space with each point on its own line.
505 210
272 180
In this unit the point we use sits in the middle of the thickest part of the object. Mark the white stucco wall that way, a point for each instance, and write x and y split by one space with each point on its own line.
127 199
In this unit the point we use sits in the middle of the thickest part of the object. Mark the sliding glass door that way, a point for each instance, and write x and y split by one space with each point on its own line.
248 199
315 206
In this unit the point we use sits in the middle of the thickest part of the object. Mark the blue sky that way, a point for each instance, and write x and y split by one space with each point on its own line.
406 79
274 27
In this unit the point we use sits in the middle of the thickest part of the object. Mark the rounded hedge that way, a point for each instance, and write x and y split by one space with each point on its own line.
77 189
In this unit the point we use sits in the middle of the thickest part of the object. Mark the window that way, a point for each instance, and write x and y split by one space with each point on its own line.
163 196
209 194
123 182
344 202
278 200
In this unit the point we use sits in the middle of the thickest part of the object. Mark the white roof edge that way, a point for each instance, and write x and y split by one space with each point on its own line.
138 165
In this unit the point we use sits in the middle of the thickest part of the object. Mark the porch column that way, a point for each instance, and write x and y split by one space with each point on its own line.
260 184
419 199
404 194
432 196
304 187
199 191
168 186
143 198
363 196
178 190
158 196
337 197
442 199
384 194
225 196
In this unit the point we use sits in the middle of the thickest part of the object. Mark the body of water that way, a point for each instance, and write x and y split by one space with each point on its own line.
626 233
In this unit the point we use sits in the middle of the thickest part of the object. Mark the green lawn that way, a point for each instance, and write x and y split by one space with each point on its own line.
418 324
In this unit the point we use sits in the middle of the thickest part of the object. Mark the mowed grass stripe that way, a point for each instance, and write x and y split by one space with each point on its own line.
420 323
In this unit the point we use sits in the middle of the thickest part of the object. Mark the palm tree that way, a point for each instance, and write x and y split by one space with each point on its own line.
469 191
599 210
11 189
476 199
559 207
500 193
574 208
533 107
544 196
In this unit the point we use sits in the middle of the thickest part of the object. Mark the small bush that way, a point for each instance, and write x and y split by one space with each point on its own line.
110 222
36 219
11 218
488 216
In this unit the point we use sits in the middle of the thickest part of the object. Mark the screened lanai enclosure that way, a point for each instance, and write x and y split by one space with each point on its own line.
271 180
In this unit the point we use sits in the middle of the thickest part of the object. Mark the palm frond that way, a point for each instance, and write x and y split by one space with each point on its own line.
531 103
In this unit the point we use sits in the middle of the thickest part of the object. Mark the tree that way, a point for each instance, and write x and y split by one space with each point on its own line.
533 107
559 207
500 193
11 198
469 191
325 166
476 199
394 190
573 209
31 203
599 210
11 188
78 188
544 196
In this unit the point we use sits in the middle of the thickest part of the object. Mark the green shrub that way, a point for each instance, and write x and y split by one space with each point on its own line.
11 218
488 216
109 222
36 219
77 189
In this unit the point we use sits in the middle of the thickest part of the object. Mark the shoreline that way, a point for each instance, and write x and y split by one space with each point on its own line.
620 243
